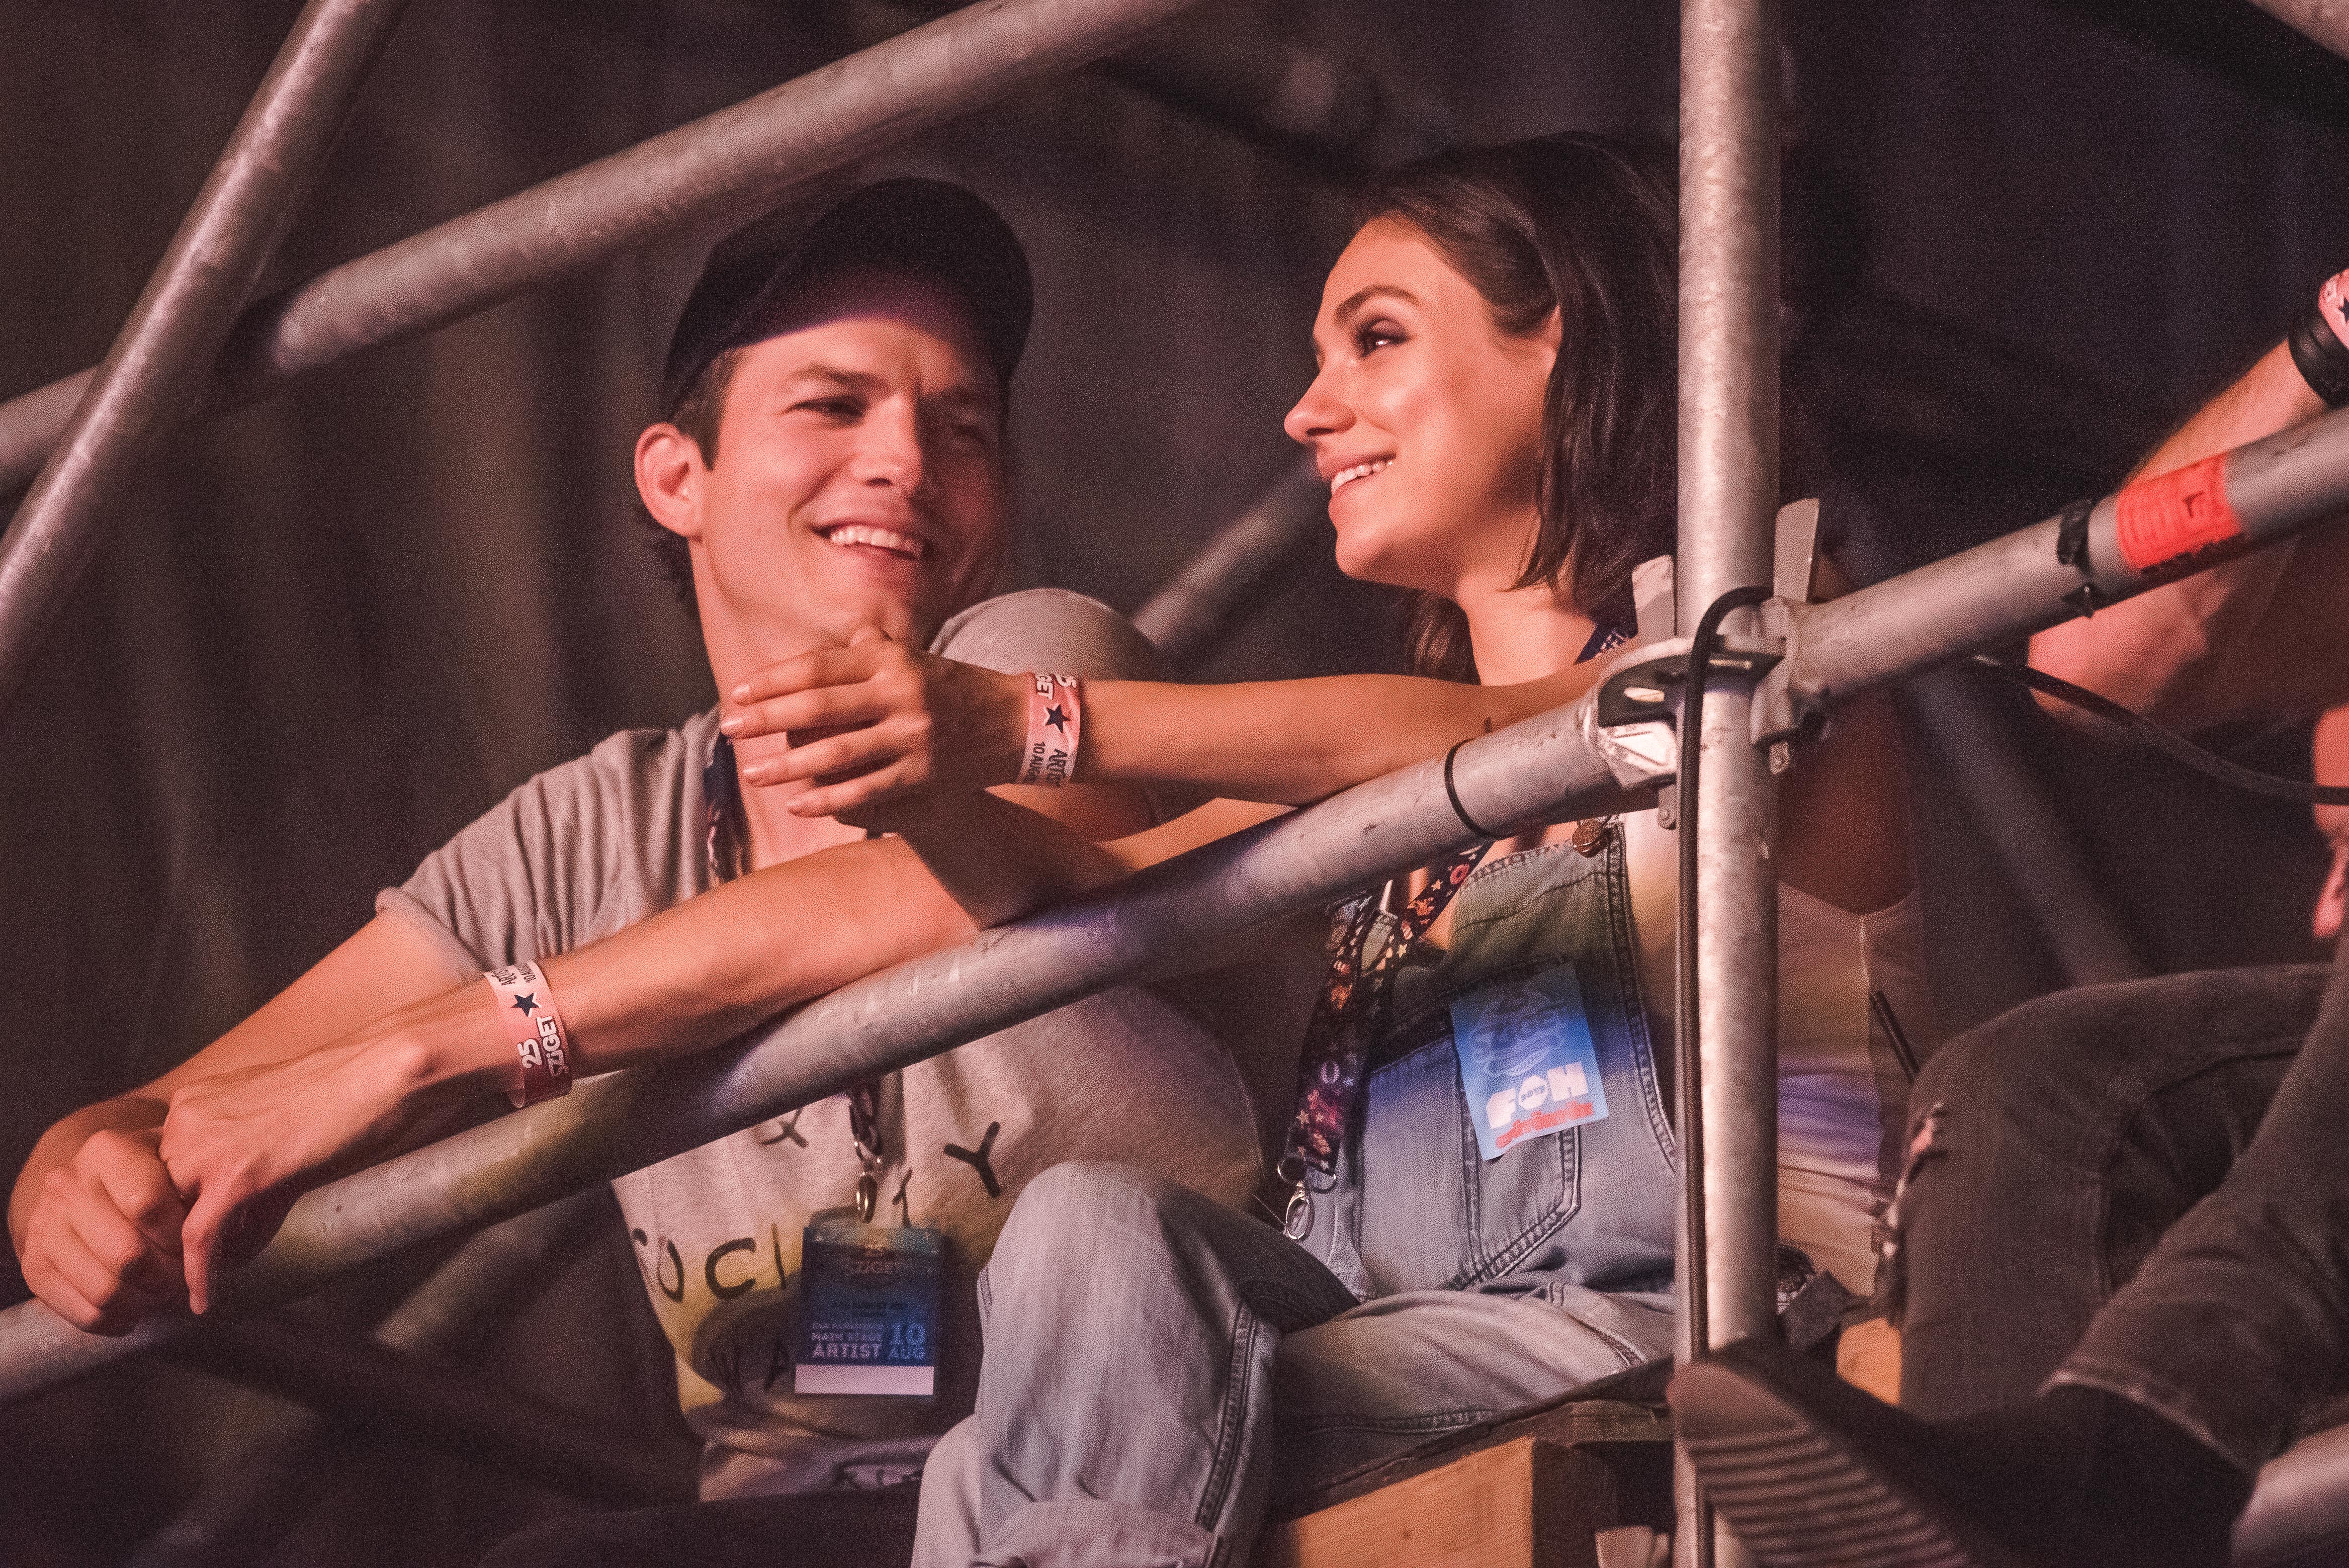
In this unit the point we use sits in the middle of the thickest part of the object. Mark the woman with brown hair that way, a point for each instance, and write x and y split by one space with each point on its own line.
1481 1161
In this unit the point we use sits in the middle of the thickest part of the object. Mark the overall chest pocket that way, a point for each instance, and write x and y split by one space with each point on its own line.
1435 1215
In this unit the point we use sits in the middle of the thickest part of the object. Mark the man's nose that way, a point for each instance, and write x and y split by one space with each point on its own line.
891 449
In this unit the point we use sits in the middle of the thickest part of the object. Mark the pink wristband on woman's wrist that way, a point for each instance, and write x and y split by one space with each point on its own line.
1055 714
543 1050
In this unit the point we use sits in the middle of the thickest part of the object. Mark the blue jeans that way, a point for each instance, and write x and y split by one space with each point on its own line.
2138 1187
1159 1369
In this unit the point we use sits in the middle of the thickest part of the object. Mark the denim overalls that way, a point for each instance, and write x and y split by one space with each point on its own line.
1415 1205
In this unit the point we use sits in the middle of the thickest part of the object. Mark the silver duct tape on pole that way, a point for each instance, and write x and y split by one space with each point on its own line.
165 351
1209 594
2326 21
1549 766
724 163
1728 500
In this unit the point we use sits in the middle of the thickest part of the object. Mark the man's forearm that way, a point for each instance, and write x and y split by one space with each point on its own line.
2163 652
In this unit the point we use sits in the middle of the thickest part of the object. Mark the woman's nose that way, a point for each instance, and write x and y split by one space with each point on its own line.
1318 413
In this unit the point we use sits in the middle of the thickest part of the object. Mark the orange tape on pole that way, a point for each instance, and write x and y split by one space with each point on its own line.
2177 516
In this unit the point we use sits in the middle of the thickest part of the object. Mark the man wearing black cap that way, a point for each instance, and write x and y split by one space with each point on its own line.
830 466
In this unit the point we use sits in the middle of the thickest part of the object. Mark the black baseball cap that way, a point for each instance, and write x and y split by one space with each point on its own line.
927 227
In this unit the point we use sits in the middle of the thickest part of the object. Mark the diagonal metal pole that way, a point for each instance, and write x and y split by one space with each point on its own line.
724 164
1570 762
1219 585
1729 497
258 1493
148 381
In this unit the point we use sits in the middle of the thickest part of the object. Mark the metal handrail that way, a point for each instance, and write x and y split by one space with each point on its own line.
1555 765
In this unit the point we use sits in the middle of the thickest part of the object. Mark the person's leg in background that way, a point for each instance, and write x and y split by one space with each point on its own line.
2142 1447
2049 1151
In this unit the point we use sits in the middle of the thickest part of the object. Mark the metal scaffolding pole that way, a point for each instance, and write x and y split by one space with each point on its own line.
729 162
1729 497
148 382
1566 763
1220 583
261 1491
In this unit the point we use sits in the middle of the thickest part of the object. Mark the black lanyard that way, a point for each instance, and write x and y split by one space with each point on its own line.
728 843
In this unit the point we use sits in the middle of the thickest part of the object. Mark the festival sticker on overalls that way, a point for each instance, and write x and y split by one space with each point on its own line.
868 1307
1526 1062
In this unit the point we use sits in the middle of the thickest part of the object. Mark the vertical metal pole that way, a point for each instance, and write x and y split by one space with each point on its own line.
1728 495
150 379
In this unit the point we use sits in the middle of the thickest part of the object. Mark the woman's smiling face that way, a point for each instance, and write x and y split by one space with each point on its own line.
1426 420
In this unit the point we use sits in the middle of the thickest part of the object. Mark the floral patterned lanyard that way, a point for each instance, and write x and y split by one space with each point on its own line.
1353 1009
728 849
1356 1003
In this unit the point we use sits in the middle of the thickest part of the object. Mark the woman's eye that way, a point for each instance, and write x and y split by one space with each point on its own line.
1376 335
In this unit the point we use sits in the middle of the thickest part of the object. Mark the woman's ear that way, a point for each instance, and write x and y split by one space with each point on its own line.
669 472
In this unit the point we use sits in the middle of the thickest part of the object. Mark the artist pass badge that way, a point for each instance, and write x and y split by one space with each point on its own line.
1526 1064
868 1307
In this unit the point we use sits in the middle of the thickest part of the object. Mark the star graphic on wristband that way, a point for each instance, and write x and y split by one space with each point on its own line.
526 1004
1057 718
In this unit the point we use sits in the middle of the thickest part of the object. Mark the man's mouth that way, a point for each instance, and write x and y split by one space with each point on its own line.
905 546
1347 476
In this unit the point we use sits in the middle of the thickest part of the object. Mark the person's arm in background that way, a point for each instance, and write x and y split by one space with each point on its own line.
2261 635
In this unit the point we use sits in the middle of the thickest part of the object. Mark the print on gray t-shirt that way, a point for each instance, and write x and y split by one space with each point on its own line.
597 844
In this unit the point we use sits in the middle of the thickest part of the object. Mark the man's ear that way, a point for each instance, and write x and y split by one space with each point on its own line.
669 474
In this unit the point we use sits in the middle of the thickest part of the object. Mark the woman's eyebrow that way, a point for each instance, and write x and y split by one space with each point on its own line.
1360 297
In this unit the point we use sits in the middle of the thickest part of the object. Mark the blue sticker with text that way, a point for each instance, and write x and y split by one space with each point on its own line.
868 1307
1526 1064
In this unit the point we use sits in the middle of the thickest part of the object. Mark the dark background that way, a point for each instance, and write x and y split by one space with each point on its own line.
328 630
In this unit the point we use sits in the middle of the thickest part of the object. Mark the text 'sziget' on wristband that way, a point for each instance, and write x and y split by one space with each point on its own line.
527 1004
1055 714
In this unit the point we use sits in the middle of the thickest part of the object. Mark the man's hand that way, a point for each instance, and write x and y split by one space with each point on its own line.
877 721
100 1240
242 1145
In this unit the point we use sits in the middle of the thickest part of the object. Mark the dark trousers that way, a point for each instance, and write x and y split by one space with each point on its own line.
823 1530
2141 1187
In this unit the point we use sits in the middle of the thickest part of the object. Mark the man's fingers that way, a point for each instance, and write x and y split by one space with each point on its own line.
200 1245
867 634
93 1296
130 1174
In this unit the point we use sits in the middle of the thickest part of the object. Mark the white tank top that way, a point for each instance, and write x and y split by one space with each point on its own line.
1836 1094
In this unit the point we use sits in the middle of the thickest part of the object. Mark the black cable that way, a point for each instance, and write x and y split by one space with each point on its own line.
1702 647
2167 742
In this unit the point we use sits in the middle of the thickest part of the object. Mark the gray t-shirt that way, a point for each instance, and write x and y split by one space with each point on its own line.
599 844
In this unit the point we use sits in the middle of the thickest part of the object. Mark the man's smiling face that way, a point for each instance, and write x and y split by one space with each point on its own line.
858 478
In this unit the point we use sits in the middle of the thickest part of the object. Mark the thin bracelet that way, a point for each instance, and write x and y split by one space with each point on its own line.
1452 792
541 1049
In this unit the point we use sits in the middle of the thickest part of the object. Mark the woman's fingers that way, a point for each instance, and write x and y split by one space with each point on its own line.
857 752
825 667
829 707
851 795
94 1289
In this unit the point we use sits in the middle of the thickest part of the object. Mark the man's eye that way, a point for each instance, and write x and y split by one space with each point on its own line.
830 407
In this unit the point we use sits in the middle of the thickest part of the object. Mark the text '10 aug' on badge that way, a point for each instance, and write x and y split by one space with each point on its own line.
868 1307
1527 1067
